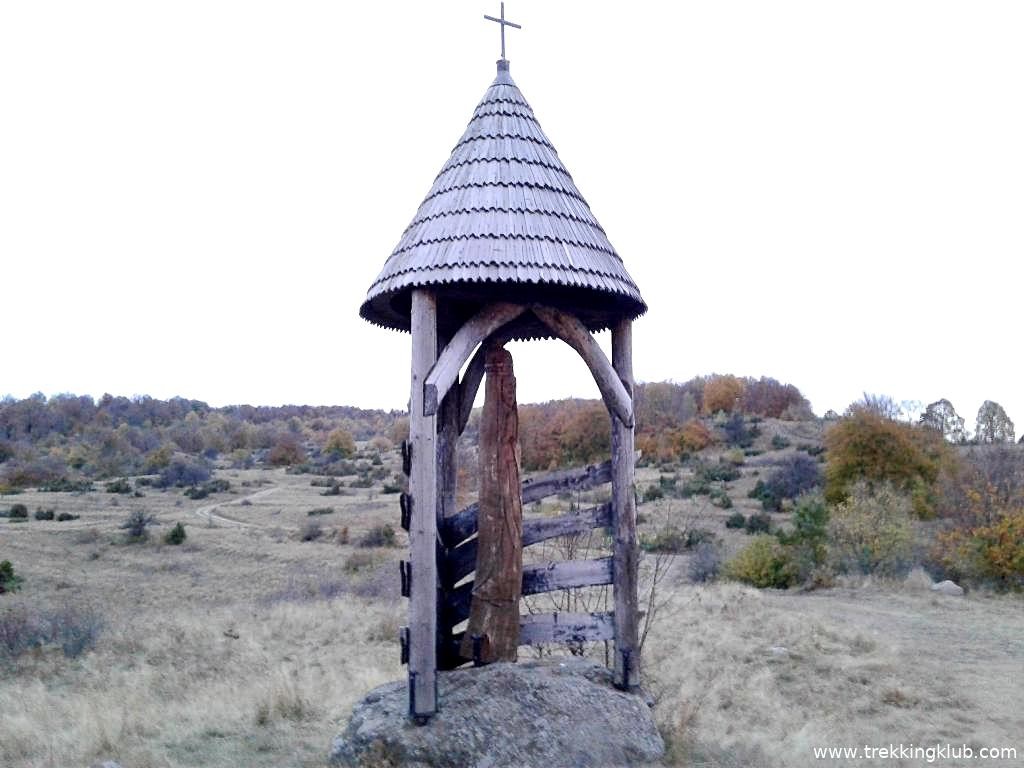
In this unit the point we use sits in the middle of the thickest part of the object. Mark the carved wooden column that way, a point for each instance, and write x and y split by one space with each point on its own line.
494 613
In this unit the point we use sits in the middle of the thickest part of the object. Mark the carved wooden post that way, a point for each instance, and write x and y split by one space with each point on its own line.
447 473
625 552
494 613
423 523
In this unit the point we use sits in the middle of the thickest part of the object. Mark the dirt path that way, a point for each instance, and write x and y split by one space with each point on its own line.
207 512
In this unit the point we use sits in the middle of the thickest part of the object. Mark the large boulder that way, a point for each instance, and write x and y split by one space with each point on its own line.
553 714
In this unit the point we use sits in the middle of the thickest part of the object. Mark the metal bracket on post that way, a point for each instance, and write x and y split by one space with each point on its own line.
406 458
420 718
403 640
405 571
405 502
627 661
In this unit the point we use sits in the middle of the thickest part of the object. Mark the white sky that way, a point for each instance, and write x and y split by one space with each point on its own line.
195 196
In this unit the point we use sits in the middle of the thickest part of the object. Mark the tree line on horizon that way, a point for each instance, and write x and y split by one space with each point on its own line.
50 440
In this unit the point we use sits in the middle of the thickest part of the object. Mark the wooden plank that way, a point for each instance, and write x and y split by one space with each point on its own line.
423 523
538 578
570 330
445 370
625 551
565 628
462 525
460 561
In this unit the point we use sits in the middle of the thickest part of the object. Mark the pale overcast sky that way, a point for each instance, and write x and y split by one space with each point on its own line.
195 196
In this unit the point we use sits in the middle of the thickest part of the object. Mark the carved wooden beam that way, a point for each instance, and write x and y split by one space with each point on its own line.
574 333
470 383
445 371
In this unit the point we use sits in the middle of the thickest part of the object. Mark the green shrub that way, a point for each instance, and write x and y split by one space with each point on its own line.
720 499
653 493
9 580
871 531
64 485
736 520
719 473
119 486
808 539
44 514
379 536
65 516
763 563
761 523
705 563
18 511
321 511
779 442
136 524
334 489
770 502
391 488
176 535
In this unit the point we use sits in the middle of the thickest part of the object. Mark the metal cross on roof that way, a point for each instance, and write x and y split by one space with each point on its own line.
503 25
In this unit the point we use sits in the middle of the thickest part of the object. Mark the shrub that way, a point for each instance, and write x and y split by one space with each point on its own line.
795 475
763 563
44 514
705 564
737 433
176 535
65 516
321 511
761 523
64 485
719 473
9 581
119 486
991 553
779 442
697 536
75 629
866 446
184 471
311 531
391 488
136 524
378 536
720 499
770 502
334 489
18 511
722 393
671 540
695 436
736 520
653 493
871 531
287 450
359 561
808 540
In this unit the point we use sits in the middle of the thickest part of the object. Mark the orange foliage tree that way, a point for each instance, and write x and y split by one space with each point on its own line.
722 393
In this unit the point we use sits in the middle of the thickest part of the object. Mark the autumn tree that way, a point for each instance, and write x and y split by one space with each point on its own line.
340 443
722 393
865 446
943 418
993 426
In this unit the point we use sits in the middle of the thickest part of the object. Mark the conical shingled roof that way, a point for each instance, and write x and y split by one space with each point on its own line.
504 221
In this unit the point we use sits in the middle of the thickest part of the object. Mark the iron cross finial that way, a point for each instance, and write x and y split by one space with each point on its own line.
503 25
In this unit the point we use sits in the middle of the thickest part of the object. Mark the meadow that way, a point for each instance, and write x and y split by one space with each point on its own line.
248 643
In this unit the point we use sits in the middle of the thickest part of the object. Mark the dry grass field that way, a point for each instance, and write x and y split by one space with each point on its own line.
247 646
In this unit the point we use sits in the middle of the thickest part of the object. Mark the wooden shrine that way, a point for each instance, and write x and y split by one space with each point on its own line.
504 247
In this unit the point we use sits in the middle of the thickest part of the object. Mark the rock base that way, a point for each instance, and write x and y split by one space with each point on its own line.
557 714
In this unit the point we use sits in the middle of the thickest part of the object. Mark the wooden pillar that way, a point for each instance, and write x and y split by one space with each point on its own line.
423 522
447 476
493 631
625 550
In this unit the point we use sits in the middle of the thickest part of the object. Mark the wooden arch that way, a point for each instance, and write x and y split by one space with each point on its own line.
442 547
